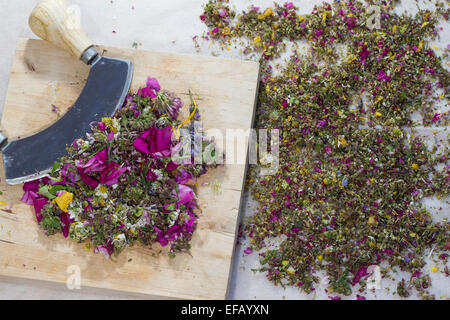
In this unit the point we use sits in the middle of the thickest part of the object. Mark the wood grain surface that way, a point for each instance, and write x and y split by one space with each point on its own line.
43 75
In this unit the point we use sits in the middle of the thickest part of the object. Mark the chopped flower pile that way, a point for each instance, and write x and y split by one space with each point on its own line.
119 184
353 171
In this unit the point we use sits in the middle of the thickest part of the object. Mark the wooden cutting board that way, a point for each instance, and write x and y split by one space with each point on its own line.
43 75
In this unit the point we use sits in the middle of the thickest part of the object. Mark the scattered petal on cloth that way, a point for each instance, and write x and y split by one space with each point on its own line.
362 272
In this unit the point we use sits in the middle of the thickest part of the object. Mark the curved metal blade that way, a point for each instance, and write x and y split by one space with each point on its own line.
105 91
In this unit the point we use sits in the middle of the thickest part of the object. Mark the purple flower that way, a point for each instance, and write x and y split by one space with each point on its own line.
288 5
319 32
248 250
152 83
436 117
147 92
170 106
321 123
383 76
363 54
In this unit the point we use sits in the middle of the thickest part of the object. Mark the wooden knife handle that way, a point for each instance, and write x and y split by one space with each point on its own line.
56 22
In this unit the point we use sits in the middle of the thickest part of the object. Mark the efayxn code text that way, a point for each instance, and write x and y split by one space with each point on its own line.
230 309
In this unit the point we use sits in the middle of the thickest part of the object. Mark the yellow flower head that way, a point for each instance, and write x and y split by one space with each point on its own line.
268 12
342 141
63 201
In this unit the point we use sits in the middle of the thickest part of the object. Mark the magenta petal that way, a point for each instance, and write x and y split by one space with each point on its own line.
31 186
183 176
65 223
157 142
39 203
88 180
107 250
185 194
147 92
152 83
141 145
101 126
112 177
151 175
29 196
172 166
162 240
67 175
111 136
173 232
96 163
103 250
163 139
